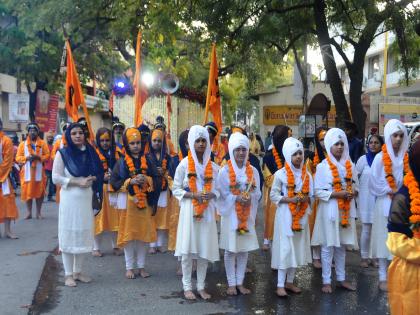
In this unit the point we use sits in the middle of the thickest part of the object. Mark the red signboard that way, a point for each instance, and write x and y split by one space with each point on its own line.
46 111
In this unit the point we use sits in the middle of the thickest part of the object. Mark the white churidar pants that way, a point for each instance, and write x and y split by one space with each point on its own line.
235 265
327 254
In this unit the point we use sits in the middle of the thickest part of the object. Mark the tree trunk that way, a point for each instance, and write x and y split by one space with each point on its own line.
341 107
355 93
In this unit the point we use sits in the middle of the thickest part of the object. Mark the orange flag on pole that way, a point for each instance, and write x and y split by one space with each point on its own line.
140 92
74 93
213 104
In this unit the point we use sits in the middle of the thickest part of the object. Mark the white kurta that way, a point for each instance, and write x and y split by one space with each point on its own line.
230 239
195 237
327 229
290 249
365 200
379 187
75 214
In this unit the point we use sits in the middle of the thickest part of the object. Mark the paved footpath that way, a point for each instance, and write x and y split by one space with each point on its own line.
31 281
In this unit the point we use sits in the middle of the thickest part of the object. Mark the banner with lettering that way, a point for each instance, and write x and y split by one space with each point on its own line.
46 111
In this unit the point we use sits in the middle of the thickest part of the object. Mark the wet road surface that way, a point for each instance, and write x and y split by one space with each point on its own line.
111 293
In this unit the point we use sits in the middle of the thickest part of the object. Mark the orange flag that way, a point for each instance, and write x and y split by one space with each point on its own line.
213 96
140 92
74 93
111 102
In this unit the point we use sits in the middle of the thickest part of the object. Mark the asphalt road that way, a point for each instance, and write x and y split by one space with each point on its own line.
31 281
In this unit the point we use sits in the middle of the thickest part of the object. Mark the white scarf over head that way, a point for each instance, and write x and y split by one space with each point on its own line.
5 189
291 146
38 170
197 132
237 140
391 127
333 136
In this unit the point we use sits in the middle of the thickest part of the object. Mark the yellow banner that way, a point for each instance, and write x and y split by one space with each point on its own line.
288 115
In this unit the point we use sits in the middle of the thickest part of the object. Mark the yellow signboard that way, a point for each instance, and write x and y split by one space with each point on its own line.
288 115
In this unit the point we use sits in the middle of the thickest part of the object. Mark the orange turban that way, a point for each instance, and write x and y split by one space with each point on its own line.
132 134
157 133
321 135
105 136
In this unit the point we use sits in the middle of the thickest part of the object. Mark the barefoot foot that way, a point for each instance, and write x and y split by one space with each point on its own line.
11 236
326 288
69 282
82 278
189 295
248 270
231 291
291 287
96 253
28 216
281 292
244 290
143 273
130 274
346 285
317 264
152 250
204 295
117 252
266 247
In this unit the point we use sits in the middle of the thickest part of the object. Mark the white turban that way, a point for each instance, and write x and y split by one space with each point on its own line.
333 136
391 127
197 132
237 140
291 146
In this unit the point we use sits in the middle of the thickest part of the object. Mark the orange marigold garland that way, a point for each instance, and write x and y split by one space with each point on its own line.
389 176
413 189
343 204
164 167
104 159
242 211
316 158
37 149
277 158
297 210
199 208
140 192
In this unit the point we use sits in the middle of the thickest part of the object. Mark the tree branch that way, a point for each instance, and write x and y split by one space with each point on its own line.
292 8
289 46
341 52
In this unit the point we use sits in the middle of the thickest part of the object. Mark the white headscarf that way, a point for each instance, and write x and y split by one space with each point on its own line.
333 136
391 127
195 133
291 146
237 140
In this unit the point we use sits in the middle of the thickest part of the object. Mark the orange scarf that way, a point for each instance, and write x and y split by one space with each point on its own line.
343 204
297 210
199 208
413 189
242 211
140 192
389 176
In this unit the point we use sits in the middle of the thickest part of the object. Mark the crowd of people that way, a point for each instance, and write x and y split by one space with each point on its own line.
134 189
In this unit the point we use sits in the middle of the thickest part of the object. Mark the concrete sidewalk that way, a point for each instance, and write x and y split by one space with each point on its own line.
22 260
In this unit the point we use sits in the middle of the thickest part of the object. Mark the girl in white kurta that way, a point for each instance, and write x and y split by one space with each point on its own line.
237 244
197 233
76 168
328 230
290 248
366 200
396 145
